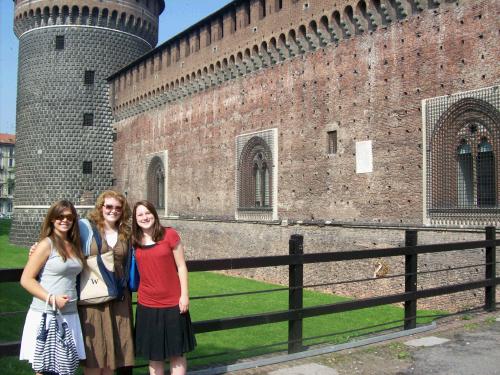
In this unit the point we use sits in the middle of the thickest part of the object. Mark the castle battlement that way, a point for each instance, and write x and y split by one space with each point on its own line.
246 36
139 18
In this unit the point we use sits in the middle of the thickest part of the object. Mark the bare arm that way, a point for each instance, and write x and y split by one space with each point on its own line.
183 277
35 263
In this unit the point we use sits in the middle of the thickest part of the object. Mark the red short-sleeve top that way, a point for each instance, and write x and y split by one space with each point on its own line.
160 285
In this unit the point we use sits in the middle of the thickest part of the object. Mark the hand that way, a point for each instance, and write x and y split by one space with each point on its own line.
61 301
32 248
184 304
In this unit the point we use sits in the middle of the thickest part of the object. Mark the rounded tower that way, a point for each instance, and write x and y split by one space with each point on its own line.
67 49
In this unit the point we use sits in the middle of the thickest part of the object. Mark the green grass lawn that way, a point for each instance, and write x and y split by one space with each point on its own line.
14 298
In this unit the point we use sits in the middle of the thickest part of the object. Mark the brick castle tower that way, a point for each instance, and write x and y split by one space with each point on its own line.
67 49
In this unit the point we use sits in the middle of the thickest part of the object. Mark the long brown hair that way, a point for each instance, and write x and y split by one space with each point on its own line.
123 224
137 233
54 212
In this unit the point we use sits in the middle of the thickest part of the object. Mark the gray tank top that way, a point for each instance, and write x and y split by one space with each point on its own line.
59 277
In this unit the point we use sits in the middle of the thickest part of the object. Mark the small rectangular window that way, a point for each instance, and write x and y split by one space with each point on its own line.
87 167
88 79
115 136
88 119
332 142
59 42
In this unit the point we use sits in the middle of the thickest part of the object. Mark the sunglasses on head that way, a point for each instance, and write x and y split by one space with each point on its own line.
110 207
68 217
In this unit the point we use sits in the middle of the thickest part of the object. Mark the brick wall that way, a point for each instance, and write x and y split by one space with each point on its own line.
369 87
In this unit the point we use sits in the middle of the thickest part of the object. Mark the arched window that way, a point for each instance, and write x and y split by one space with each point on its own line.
465 184
476 182
156 183
255 183
486 181
462 153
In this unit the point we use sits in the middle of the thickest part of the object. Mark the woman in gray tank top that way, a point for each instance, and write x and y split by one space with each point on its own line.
52 269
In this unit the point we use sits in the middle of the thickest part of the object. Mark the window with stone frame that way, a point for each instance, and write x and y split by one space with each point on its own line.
156 182
462 158
255 172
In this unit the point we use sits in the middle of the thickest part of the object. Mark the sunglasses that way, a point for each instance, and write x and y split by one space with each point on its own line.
110 207
67 217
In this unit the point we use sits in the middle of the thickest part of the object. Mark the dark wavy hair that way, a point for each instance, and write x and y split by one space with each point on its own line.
54 212
137 233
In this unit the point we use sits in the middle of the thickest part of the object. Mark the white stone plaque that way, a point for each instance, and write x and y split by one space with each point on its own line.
364 157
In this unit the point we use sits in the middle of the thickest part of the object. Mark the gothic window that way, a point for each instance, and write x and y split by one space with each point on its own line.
462 153
156 182
476 168
255 171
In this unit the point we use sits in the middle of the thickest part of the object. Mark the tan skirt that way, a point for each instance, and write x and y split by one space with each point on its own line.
107 334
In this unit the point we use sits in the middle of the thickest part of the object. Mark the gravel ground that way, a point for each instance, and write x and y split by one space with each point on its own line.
473 349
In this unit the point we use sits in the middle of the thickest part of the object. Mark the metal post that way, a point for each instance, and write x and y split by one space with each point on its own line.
490 274
411 281
295 300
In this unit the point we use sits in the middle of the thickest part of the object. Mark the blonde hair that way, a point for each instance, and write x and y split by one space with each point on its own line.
96 217
54 212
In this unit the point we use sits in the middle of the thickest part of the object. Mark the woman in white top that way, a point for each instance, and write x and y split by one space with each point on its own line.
52 269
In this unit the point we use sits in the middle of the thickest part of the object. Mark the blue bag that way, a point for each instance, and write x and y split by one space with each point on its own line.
133 275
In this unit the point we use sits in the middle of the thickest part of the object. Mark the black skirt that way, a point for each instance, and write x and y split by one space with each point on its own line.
161 333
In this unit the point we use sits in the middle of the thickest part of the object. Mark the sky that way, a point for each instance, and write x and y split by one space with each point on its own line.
177 16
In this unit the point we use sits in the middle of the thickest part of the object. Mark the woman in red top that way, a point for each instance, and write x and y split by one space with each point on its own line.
163 325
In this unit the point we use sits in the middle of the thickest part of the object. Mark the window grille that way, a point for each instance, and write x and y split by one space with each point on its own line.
88 119
332 142
87 167
59 42
88 78
462 157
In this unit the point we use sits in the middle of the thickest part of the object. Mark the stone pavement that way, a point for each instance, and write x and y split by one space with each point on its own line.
457 346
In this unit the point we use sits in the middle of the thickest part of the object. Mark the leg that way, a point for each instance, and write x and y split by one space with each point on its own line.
156 368
178 365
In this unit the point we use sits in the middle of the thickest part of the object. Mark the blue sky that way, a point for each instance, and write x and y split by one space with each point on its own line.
177 16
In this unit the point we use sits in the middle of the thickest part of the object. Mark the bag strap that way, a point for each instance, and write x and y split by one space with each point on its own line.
97 237
53 302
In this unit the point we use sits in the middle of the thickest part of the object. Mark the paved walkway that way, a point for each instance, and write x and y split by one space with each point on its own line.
455 347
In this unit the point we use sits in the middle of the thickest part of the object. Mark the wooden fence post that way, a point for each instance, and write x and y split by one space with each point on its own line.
410 281
295 293
490 274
